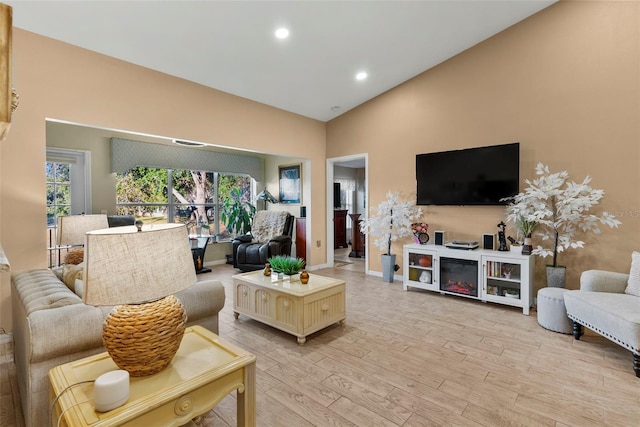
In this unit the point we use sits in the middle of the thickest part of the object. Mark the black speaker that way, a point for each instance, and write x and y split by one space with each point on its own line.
303 211
336 195
489 241
439 237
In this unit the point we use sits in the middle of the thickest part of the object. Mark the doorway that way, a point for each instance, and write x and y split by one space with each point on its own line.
347 195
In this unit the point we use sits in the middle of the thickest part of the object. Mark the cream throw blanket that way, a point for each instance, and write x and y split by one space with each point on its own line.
268 224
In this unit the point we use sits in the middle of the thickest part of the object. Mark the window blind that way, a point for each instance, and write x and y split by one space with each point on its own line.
127 154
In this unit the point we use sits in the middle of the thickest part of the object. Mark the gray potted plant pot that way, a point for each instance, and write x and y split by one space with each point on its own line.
556 276
388 268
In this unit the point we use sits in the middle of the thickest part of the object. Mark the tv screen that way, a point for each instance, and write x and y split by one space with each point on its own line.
473 176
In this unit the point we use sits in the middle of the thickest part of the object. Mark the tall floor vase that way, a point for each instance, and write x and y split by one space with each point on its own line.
388 267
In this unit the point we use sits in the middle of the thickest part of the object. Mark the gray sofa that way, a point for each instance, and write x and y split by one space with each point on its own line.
52 326
602 305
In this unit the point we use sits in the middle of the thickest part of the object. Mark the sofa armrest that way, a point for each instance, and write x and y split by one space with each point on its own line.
603 281
70 329
281 239
243 238
204 299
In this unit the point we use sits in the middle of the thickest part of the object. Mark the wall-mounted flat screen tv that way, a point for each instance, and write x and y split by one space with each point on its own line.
473 176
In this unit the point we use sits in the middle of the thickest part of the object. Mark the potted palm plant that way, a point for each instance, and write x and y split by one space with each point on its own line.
559 209
284 265
392 221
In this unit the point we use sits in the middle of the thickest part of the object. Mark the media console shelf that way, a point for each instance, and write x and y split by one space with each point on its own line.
494 276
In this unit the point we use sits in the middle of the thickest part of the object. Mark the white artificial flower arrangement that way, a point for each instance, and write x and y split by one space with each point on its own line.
392 221
560 208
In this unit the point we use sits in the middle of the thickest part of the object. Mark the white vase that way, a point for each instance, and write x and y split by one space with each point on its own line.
527 247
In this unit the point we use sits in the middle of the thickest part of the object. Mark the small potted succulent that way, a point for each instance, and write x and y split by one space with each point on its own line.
286 267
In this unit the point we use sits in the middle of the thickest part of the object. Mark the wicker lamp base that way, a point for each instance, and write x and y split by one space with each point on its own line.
143 338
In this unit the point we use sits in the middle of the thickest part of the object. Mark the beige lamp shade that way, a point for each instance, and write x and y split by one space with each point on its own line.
127 266
72 228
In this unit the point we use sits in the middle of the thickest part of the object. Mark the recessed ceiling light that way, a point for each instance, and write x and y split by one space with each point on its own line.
361 75
282 33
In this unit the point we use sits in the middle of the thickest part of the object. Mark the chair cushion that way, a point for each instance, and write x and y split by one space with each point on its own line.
268 224
633 284
616 316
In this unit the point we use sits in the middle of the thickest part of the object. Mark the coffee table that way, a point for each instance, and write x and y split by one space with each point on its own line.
204 370
290 306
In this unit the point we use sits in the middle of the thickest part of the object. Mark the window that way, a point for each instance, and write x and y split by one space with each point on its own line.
67 175
58 191
187 196
68 183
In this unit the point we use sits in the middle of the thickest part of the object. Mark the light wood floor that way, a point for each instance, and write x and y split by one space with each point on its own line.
419 359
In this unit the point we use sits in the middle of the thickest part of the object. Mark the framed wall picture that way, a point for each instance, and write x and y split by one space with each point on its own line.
290 183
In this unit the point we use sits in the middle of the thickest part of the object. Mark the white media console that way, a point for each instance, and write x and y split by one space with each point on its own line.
486 275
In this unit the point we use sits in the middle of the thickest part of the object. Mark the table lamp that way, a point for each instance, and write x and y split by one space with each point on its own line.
72 228
267 197
138 272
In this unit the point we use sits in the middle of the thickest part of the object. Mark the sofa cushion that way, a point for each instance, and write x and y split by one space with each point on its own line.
633 284
70 273
616 316
42 290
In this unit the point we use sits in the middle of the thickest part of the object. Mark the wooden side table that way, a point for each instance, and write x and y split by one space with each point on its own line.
202 373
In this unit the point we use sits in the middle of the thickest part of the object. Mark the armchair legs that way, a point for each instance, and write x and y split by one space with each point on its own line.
578 330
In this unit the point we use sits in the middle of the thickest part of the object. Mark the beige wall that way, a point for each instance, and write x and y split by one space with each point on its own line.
63 82
564 83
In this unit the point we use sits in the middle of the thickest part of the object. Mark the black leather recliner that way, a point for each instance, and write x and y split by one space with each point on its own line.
270 235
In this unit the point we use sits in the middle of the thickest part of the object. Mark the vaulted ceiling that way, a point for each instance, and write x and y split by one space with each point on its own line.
231 45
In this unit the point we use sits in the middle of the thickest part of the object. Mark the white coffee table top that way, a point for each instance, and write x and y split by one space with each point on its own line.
316 283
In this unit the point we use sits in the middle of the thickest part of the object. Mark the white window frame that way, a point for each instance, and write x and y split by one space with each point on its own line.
79 174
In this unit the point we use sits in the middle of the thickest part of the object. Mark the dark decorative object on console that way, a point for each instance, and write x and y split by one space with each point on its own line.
502 241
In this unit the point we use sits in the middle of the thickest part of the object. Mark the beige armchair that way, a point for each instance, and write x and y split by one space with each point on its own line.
602 305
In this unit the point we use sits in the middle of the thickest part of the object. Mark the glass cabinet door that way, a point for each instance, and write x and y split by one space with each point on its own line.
422 272
503 279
